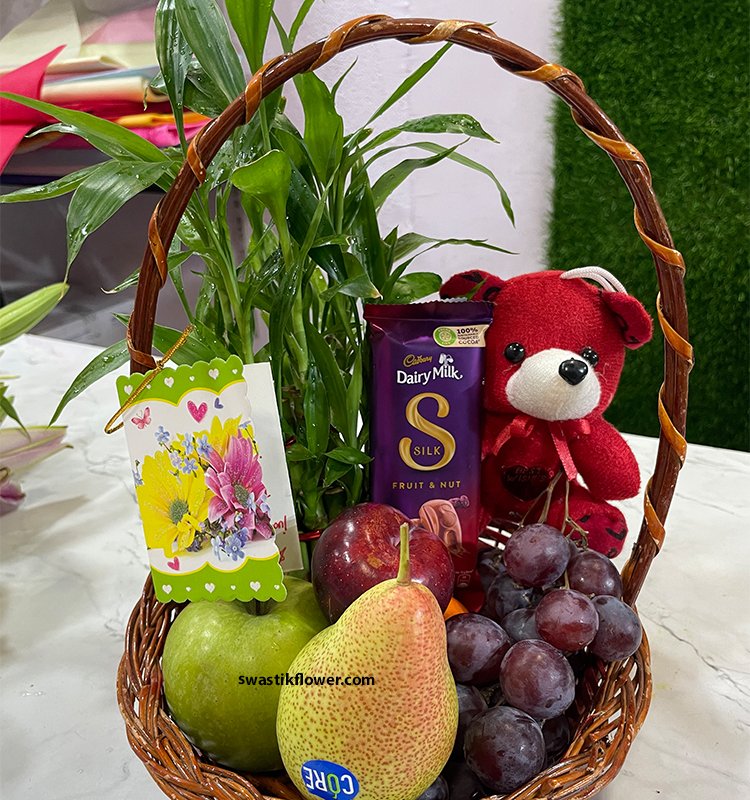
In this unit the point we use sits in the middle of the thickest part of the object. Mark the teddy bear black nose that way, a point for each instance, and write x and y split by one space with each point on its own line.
573 370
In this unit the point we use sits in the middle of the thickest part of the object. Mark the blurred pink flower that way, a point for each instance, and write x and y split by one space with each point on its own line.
237 484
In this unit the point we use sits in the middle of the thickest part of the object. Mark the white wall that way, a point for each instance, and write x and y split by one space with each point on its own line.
447 199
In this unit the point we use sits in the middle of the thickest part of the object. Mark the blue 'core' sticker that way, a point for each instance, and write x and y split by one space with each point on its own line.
329 781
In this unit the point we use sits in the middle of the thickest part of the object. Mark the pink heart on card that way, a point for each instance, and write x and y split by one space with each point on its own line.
174 563
197 412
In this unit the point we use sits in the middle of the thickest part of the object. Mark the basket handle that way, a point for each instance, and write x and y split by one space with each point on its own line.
649 222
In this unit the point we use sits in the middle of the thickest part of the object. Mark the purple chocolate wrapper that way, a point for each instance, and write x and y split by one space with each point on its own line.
427 373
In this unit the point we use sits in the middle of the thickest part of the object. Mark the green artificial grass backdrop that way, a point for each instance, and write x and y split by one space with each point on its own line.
673 76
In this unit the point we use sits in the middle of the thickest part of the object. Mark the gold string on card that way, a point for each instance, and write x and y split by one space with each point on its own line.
110 427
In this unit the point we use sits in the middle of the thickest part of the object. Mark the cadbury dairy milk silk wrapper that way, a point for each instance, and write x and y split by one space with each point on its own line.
426 400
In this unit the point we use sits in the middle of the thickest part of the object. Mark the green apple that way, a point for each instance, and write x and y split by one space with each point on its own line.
211 650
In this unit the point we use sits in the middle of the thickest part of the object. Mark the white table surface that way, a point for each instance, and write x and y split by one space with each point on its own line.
73 564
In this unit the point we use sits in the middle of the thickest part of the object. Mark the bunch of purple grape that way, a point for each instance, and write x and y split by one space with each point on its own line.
546 601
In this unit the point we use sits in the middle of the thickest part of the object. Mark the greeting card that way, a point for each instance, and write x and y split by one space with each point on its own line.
213 492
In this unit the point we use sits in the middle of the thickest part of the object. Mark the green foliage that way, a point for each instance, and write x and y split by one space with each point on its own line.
315 251
685 107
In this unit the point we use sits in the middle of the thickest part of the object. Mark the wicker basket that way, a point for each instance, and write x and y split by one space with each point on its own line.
613 699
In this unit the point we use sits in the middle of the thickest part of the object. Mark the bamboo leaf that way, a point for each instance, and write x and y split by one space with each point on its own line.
475 165
410 82
335 471
390 180
317 420
349 455
46 191
410 242
415 286
205 30
324 128
250 20
200 345
354 399
324 359
102 364
299 19
110 138
267 178
359 286
173 54
437 123
362 220
101 194
298 452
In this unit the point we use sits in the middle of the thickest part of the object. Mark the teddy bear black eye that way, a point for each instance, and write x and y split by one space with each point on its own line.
590 355
515 353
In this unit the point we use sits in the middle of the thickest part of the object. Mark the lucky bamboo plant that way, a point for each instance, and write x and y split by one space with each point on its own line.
315 251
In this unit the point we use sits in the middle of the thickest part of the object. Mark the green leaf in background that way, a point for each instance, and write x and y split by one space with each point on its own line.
330 372
102 364
409 83
7 409
298 452
335 471
110 138
324 128
23 314
201 93
317 419
46 191
349 455
173 54
354 398
197 347
359 286
205 29
410 242
267 178
475 165
304 8
436 123
102 193
415 286
250 20
390 180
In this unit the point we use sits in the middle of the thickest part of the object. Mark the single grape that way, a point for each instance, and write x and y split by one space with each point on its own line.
489 566
521 624
470 703
476 646
536 555
566 619
620 631
463 784
505 596
437 791
504 748
557 735
592 573
536 678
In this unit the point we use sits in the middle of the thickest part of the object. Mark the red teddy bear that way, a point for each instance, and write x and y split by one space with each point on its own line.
555 352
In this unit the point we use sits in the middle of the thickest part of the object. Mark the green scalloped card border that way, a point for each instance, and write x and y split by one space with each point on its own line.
171 384
256 579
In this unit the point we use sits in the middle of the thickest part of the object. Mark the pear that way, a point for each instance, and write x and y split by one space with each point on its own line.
392 738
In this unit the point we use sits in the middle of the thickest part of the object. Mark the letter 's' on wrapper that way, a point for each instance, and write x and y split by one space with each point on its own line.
425 414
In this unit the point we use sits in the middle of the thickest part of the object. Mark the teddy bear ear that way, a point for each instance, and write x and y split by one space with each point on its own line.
633 319
476 284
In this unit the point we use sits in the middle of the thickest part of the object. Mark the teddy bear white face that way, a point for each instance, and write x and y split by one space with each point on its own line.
554 385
